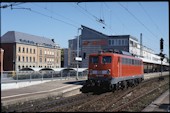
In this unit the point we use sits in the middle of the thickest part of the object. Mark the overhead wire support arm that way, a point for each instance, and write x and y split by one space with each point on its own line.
96 18
10 5
21 8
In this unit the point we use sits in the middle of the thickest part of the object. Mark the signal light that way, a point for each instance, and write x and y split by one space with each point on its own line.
161 44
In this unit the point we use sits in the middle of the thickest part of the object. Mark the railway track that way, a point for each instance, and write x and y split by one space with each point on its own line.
131 102
45 103
107 101
104 103
99 103
131 99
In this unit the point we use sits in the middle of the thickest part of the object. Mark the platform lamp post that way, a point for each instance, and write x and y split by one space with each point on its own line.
78 58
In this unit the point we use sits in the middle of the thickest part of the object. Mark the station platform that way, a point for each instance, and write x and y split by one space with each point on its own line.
60 88
161 104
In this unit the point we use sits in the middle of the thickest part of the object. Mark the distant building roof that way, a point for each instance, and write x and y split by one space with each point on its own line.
94 31
112 36
19 37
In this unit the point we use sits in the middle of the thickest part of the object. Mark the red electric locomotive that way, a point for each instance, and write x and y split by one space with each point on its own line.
114 70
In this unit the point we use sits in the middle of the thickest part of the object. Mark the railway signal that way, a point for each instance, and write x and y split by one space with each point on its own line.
161 44
162 57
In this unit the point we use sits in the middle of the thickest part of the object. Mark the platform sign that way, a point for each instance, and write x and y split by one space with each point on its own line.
78 59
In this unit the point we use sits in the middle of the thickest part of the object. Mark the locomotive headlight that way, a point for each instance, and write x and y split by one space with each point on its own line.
91 72
108 71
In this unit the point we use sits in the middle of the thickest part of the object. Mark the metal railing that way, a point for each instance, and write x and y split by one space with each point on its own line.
20 76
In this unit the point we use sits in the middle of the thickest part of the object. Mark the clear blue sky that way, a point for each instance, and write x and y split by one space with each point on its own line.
60 20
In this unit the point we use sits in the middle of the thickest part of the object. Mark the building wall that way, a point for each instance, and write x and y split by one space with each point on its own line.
1 59
92 41
35 56
66 57
28 51
90 46
73 52
8 56
26 56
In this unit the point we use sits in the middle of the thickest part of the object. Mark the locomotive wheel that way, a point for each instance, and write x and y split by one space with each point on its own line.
125 85
111 87
84 89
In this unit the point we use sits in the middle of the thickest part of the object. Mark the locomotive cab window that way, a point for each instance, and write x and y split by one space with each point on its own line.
107 59
94 59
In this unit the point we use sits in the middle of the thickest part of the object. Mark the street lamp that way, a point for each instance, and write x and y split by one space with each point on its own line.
77 52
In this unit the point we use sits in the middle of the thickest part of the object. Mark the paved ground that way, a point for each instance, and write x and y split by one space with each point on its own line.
51 88
161 104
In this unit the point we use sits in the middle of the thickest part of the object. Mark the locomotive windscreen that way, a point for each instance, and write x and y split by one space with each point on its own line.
94 59
106 59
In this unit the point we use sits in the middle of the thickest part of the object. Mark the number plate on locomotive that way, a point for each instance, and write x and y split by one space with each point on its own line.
99 75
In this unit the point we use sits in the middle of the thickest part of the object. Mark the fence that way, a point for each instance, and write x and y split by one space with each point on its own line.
19 76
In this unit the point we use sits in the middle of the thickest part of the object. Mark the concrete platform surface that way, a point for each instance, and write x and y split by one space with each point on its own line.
161 104
52 88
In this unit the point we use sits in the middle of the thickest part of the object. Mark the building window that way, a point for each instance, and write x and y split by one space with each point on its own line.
131 43
19 58
19 49
23 58
126 42
123 42
40 52
33 59
26 59
27 50
23 50
112 42
19 67
119 42
40 59
34 51
30 50
116 42
30 59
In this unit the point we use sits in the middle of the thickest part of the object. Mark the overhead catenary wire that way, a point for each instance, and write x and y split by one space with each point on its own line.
12 4
96 18
45 8
151 20
34 11
138 20
123 25
155 36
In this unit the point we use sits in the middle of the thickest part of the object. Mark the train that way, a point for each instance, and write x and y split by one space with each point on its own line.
112 70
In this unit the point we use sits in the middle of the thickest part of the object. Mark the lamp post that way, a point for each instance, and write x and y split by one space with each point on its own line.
77 52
